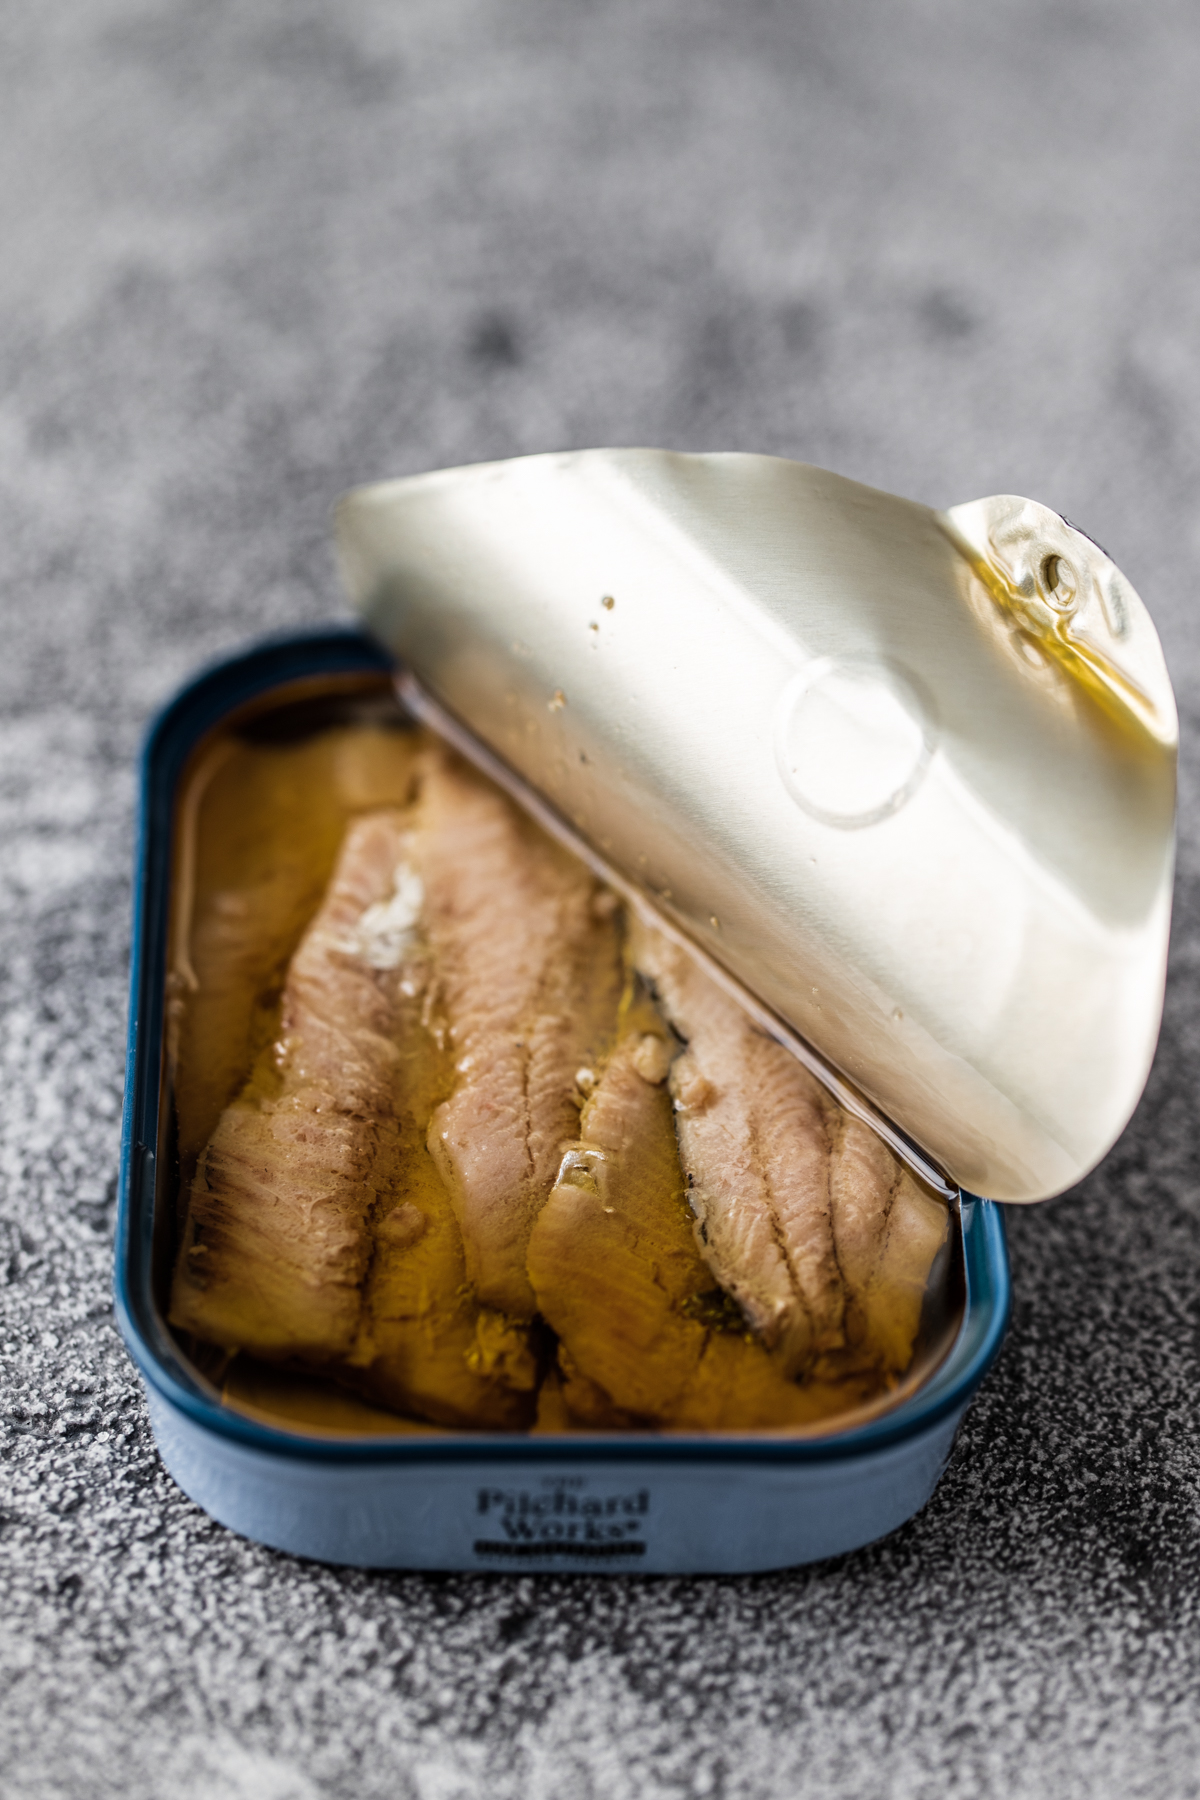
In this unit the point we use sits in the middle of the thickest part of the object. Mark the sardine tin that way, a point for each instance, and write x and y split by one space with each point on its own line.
647 1503
906 777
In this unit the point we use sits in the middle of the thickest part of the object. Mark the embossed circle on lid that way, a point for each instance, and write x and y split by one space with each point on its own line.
853 740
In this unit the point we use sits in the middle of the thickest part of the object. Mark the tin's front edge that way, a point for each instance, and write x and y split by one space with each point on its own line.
501 1511
676 1504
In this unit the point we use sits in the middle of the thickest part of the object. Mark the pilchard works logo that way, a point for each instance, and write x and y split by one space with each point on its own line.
561 1520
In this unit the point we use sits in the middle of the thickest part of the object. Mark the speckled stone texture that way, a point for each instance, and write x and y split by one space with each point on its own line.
252 251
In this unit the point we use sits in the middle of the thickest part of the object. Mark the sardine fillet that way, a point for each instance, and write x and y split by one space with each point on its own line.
617 1272
529 973
918 1227
612 1258
754 1132
277 1241
261 827
863 1178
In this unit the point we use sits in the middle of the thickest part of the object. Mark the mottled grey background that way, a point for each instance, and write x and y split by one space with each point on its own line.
254 250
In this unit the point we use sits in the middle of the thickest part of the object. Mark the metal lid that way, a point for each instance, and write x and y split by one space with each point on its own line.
907 776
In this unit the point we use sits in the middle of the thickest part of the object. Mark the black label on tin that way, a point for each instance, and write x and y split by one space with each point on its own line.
560 1519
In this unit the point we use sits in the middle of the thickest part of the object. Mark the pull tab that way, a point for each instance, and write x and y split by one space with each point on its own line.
1066 604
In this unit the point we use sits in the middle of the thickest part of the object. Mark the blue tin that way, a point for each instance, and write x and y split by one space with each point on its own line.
670 1504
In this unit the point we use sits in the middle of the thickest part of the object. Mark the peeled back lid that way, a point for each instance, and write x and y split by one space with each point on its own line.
908 776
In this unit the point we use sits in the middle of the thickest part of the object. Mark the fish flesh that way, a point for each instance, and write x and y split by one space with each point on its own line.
644 1340
278 1244
260 827
611 1257
528 958
755 1132
317 1225
888 1233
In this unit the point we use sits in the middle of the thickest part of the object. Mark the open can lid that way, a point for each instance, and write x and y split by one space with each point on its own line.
908 777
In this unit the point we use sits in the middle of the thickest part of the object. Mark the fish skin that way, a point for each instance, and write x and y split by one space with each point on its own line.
754 1133
527 1004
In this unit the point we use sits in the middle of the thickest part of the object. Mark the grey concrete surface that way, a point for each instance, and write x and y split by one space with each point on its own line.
254 250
